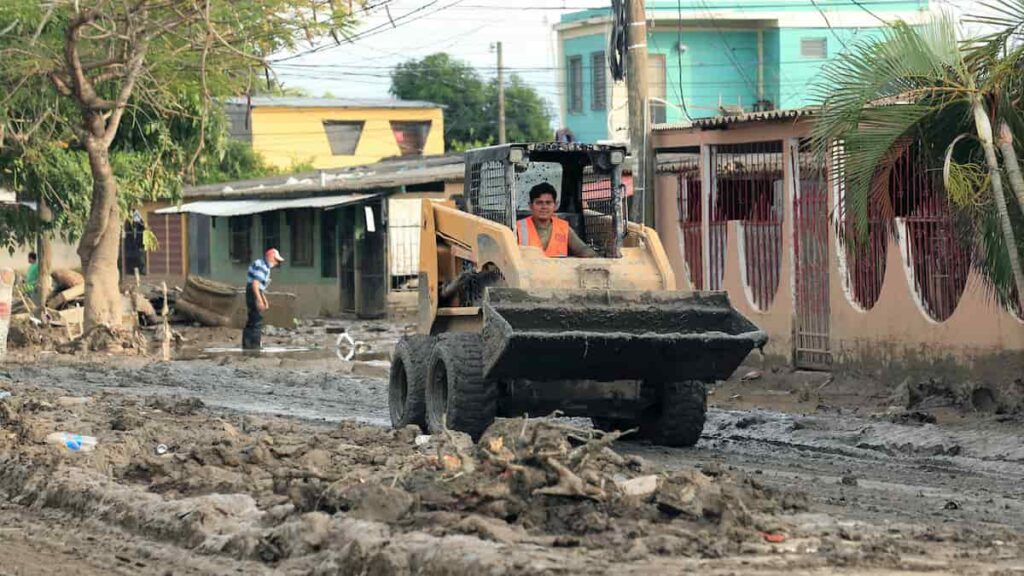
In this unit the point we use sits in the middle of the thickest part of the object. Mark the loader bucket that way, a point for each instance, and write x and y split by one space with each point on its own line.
614 335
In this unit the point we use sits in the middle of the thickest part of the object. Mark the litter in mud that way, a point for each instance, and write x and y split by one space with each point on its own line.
264 350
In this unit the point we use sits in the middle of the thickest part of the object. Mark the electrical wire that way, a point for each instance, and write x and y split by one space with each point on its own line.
391 24
617 40
679 58
829 24
873 15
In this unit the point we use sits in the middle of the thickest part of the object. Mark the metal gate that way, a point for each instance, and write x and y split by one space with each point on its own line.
811 347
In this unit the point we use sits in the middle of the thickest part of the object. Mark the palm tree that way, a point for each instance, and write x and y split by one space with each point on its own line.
922 83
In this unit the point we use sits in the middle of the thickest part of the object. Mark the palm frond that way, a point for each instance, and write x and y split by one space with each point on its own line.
881 93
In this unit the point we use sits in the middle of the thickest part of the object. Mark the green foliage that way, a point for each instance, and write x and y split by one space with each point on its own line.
921 84
150 243
189 55
440 79
527 118
470 116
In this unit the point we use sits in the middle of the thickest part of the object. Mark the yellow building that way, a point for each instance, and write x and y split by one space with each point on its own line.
336 132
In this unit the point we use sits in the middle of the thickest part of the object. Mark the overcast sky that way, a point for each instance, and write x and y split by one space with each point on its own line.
464 28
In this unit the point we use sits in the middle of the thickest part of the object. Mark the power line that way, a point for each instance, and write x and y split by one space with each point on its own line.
679 58
873 15
391 24
829 24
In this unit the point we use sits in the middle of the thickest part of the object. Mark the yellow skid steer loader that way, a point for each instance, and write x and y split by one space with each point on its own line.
505 330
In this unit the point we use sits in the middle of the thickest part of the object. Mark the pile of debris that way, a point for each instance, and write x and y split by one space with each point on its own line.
61 325
547 482
304 491
63 310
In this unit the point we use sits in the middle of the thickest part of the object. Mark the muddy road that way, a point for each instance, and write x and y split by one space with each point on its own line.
913 496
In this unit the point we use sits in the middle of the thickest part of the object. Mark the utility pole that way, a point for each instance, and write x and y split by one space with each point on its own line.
641 206
501 96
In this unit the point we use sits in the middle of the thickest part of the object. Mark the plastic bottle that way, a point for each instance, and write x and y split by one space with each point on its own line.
73 442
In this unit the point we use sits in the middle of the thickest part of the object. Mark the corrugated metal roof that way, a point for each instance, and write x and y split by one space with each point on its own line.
721 121
306 102
382 175
243 207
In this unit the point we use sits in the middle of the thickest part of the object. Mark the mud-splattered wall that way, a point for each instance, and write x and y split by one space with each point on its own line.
899 331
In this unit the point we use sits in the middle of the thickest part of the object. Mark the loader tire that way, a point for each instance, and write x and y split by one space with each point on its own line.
458 395
407 381
678 419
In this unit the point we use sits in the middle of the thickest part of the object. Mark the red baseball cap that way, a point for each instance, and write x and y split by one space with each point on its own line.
273 252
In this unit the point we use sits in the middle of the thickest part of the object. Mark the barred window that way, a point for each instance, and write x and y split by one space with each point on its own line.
238 245
599 83
575 84
301 224
271 224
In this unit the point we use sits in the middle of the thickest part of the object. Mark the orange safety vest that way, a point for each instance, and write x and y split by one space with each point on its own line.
558 243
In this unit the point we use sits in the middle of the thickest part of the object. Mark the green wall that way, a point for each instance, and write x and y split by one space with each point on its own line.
700 8
720 64
224 270
587 125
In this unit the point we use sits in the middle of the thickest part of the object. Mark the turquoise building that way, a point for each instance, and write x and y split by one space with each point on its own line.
716 56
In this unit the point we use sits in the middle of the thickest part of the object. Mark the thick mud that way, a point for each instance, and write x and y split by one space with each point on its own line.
284 465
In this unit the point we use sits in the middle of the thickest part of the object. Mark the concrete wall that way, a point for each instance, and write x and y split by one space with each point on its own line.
65 255
981 339
288 136
736 53
587 124
316 294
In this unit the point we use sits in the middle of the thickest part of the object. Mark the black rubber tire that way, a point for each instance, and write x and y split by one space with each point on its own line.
407 381
678 419
458 396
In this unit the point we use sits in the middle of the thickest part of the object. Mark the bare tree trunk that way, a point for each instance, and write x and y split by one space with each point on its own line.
984 128
1011 162
99 245
44 253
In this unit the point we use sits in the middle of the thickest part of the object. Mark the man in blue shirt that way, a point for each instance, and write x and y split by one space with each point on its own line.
256 283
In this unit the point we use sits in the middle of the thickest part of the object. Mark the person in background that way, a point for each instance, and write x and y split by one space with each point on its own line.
565 136
32 276
256 282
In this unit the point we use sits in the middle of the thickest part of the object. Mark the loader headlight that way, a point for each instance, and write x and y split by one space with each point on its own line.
617 157
515 155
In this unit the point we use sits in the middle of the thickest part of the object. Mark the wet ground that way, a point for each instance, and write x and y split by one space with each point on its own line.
863 469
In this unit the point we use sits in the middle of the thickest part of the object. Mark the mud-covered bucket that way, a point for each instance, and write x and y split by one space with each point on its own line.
614 335
6 296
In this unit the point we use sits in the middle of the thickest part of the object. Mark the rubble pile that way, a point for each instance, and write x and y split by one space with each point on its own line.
60 327
267 489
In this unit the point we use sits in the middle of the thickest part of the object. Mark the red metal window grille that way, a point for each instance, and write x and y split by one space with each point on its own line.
863 243
938 257
749 188
688 182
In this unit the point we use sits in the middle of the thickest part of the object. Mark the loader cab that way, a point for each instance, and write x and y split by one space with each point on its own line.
587 179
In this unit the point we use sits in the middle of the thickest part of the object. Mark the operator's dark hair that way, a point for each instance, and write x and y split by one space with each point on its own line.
541 189
32 256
